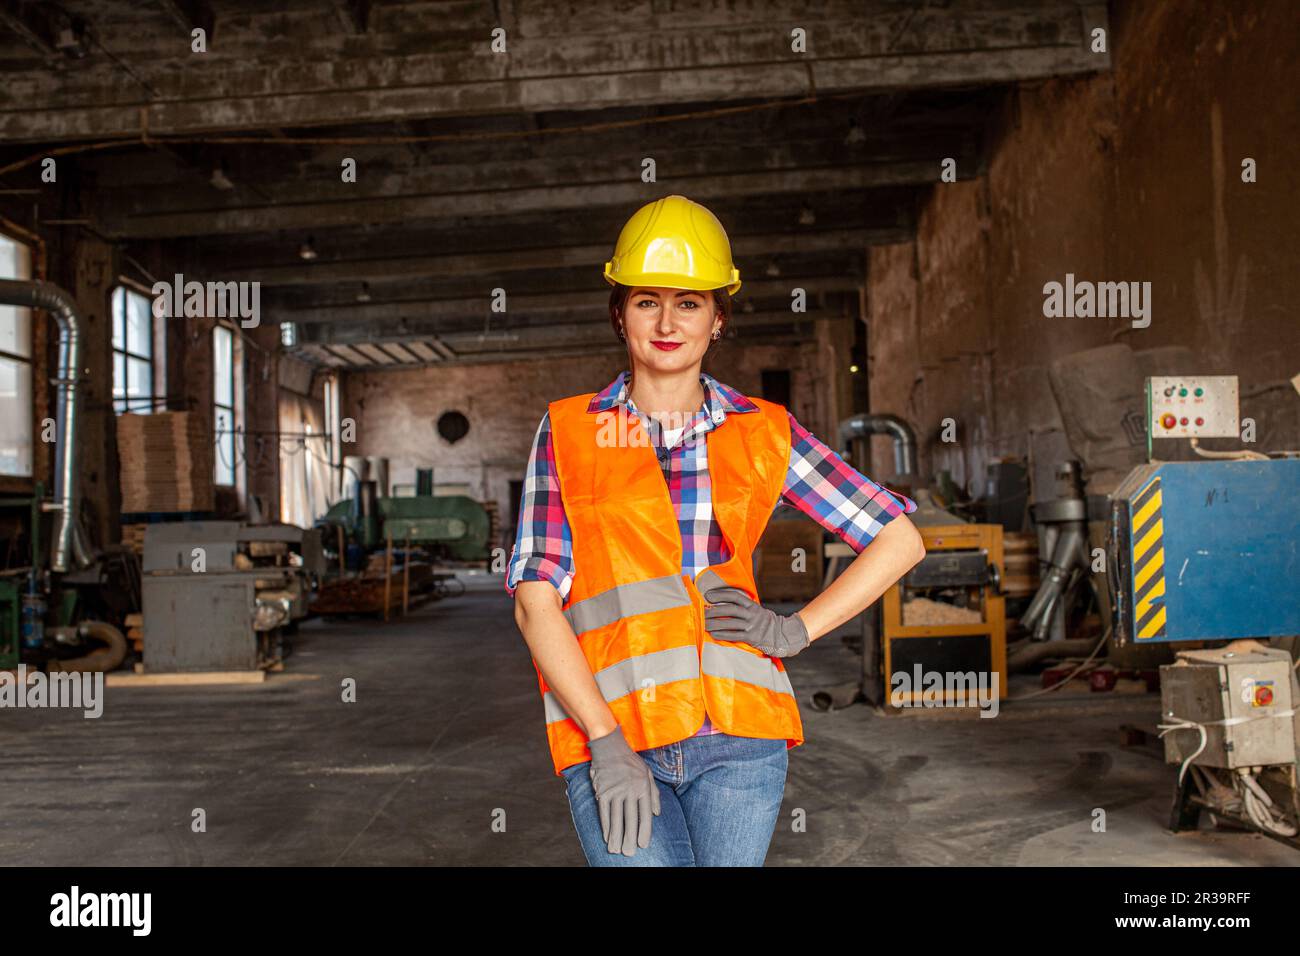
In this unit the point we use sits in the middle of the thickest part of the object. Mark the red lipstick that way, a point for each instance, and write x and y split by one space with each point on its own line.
665 345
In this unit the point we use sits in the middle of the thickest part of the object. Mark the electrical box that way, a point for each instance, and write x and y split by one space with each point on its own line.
1242 699
1192 406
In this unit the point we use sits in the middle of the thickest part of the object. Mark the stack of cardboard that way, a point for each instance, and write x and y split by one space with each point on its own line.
1020 557
166 462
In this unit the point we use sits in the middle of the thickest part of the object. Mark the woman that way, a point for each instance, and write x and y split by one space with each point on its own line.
668 709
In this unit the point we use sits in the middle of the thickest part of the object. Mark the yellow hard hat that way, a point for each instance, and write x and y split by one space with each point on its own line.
675 243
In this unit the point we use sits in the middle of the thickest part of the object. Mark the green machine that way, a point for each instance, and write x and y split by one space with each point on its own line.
30 597
452 526
10 602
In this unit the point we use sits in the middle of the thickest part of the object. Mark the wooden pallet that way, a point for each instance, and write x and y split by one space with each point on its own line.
366 594
133 537
135 631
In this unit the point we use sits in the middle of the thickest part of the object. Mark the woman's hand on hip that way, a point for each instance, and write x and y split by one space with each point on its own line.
732 615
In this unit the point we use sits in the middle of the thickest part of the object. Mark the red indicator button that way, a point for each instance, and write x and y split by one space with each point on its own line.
1200 421
1168 420
1182 421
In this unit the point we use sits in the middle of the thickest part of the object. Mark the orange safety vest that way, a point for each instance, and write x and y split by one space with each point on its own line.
639 620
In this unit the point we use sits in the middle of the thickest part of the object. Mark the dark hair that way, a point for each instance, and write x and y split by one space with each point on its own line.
618 301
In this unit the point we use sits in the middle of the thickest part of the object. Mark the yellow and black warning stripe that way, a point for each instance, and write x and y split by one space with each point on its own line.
1148 537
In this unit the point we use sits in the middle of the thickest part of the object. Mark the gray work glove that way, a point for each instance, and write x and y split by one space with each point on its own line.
625 790
734 616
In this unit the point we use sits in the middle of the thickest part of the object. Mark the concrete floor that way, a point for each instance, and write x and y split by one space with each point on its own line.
446 736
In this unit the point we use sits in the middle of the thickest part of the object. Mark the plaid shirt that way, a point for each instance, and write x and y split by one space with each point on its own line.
818 482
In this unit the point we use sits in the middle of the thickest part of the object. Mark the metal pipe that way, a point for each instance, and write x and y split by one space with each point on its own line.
1066 556
859 426
68 541
103 659
1027 652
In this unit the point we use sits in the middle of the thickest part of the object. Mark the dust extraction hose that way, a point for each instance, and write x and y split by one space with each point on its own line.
69 542
109 657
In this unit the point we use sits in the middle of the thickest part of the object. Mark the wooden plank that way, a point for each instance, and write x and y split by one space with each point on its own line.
396 351
422 351
183 679
348 355
374 353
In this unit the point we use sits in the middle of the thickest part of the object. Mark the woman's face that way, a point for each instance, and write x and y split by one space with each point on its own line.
669 329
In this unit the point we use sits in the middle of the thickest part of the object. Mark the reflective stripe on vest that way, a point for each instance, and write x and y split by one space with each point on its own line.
639 597
661 667
732 663
679 663
619 680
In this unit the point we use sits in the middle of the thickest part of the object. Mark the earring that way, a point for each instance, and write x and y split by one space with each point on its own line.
717 335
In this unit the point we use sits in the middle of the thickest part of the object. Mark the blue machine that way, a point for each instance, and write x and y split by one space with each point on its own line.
1206 550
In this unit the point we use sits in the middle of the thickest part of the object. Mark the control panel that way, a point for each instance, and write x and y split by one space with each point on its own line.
1192 406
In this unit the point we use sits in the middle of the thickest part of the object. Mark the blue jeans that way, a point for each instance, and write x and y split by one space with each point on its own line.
719 798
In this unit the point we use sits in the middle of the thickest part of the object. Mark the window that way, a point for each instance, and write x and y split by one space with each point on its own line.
133 352
223 403
15 367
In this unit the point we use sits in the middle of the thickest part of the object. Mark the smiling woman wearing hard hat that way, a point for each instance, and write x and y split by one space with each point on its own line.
668 708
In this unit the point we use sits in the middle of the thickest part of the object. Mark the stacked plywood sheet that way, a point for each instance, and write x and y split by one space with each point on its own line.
1020 554
166 462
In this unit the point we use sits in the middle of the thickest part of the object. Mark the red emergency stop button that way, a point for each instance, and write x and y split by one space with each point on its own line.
1263 695
1168 420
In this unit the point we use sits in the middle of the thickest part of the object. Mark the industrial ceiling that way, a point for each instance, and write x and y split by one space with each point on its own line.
479 171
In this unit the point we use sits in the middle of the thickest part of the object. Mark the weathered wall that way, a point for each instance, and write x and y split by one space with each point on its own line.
1127 176
931 328
1214 89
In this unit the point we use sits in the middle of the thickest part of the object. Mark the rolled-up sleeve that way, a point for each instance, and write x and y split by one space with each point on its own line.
543 549
836 495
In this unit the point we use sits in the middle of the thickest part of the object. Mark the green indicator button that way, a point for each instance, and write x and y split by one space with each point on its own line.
1200 392
1182 392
